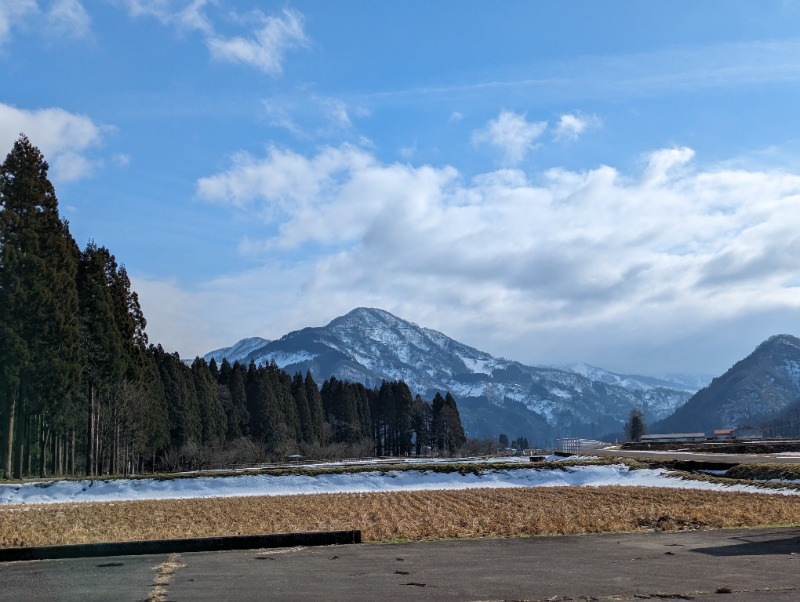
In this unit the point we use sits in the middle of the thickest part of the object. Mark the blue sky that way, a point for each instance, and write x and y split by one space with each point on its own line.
554 181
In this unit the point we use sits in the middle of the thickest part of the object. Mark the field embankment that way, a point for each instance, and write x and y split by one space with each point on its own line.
401 515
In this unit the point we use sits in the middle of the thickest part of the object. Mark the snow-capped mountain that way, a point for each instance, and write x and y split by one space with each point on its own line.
241 349
680 382
494 395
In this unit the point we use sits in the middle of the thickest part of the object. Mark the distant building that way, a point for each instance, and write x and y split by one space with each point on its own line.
672 437
724 434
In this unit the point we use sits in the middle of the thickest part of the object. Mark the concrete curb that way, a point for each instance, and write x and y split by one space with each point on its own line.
169 546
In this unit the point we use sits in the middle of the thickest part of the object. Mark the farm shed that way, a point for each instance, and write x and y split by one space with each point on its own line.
672 437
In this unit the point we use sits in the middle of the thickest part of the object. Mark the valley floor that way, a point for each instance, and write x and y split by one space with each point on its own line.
416 504
99 490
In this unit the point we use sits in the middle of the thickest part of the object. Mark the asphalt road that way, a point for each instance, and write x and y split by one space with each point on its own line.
752 565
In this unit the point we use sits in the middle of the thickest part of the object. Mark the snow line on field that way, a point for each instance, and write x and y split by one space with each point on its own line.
365 482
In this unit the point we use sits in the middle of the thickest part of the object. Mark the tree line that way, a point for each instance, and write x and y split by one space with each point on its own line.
82 390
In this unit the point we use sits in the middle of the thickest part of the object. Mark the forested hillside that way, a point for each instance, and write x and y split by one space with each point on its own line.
82 391
758 391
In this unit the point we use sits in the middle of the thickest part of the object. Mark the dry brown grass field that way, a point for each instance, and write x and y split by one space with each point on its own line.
400 516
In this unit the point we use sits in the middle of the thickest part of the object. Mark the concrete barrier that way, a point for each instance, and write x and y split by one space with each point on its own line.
170 546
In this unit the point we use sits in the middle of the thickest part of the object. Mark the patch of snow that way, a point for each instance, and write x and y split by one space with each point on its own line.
286 359
793 370
373 481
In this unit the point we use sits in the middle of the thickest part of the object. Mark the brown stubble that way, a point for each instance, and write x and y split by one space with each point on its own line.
399 516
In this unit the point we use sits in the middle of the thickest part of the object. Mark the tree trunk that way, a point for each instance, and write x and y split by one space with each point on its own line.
29 434
19 436
72 454
58 457
115 446
90 434
42 444
9 464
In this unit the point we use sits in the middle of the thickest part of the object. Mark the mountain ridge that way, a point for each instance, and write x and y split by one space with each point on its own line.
495 395
752 391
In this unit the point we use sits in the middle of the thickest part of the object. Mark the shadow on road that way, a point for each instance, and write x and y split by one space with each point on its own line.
768 543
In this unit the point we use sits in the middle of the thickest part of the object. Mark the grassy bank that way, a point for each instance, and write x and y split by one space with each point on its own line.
765 472
405 515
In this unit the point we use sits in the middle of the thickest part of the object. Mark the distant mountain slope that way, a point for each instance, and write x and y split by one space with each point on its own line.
240 349
494 395
751 392
689 383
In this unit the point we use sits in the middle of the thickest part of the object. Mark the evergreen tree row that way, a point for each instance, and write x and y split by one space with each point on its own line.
82 391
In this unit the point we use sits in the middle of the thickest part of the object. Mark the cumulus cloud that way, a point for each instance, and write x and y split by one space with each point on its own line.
510 257
512 133
571 126
64 138
266 47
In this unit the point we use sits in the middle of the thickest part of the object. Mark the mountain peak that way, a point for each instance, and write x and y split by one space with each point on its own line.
780 339
752 391
495 395
369 315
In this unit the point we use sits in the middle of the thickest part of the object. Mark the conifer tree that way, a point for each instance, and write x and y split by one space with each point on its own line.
239 417
213 420
315 408
307 434
421 424
447 432
102 341
38 306
635 426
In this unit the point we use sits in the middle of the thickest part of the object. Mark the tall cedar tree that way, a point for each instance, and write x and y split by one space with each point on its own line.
76 371
315 407
422 424
447 432
103 344
635 426
40 358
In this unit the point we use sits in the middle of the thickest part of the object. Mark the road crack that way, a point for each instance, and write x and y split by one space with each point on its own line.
164 574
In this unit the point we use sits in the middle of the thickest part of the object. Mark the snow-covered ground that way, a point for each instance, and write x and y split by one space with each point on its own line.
373 481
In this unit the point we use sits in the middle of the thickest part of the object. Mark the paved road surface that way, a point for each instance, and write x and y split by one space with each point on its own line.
753 565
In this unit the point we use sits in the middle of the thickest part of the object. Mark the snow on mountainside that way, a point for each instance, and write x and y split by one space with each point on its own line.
240 349
686 382
494 395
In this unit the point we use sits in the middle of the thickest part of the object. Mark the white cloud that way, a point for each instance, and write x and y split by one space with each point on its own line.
266 48
61 18
68 18
512 134
64 138
263 48
508 258
121 159
12 14
336 112
455 117
664 161
186 15
322 116
571 126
